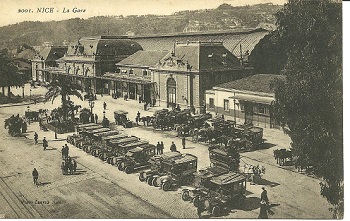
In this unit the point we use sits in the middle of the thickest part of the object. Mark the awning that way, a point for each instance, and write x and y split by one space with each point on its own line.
254 98
123 78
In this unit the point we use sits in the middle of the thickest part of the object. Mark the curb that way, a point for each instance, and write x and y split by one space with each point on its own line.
15 104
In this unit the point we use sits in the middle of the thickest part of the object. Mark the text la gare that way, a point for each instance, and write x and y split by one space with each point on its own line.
74 10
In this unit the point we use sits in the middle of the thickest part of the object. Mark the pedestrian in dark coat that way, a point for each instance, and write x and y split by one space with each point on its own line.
104 105
67 150
183 142
264 205
63 152
161 147
173 147
36 137
96 118
45 143
35 175
158 148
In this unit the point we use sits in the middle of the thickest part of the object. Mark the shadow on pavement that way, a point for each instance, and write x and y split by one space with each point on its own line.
251 203
266 145
43 183
268 183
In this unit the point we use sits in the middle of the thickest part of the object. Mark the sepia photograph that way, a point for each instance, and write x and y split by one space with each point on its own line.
171 109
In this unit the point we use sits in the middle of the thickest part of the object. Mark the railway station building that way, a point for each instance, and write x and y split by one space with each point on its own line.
247 100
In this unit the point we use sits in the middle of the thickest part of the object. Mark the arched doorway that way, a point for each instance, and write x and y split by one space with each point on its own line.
171 92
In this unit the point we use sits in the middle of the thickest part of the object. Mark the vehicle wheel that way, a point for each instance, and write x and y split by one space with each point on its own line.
196 201
186 196
149 180
154 182
128 170
216 211
120 167
142 177
166 186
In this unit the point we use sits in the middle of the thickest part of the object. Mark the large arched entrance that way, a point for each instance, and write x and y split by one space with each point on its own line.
171 92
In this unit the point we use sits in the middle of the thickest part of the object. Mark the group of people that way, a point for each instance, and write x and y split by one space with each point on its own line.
160 147
69 165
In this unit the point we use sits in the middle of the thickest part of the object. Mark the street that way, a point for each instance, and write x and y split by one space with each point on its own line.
100 190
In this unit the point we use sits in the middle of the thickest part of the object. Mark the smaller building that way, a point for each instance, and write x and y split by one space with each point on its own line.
247 100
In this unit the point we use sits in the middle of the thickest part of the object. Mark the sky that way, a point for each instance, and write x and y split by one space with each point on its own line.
14 11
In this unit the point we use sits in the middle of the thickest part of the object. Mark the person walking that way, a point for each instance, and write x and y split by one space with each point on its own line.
158 148
264 205
63 152
137 120
138 115
104 105
200 207
67 150
161 147
96 118
173 147
45 143
36 137
183 142
35 175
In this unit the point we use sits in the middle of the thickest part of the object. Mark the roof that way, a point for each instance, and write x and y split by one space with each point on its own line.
232 39
107 133
228 178
210 172
51 53
185 158
143 58
103 45
138 143
223 153
100 130
117 141
86 125
254 83
94 127
199 56
115 136
254 98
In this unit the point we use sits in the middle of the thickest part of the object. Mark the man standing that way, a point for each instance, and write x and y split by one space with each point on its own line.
183 142
96 118
104 105
45 143
161 147
158 148
264 205
35 175
67 150
173 147
36 136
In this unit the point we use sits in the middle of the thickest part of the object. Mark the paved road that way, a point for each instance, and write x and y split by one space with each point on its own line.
101 191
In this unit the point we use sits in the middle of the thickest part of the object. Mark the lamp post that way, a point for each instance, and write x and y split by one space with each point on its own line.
91 105
56 128
28 115
104 114
23 91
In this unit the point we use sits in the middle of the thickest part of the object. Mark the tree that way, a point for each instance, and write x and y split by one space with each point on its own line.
8 73
309 101
63 87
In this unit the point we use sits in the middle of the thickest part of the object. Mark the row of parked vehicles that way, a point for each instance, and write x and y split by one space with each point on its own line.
217 187
204 128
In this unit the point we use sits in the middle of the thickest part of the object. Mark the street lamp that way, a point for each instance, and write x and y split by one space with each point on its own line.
28 115
23 91
56 121
104 113
91 105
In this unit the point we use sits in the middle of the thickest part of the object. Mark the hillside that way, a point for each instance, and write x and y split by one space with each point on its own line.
222 18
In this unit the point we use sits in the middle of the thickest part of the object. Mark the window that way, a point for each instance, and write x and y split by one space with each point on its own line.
131 71
211 103
261 109
144 72
226 105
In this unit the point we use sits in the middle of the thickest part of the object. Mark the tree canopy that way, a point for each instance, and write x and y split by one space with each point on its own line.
309 101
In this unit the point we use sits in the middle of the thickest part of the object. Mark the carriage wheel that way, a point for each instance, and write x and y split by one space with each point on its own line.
216 211
154 182
149 180
186 196
142 177
166 186
128 170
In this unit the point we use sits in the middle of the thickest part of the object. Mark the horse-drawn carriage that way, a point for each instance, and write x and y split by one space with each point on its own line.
121 119
252 173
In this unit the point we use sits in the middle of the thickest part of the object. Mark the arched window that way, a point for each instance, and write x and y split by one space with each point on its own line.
171 92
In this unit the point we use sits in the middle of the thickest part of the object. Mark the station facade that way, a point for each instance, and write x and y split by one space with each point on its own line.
248 100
